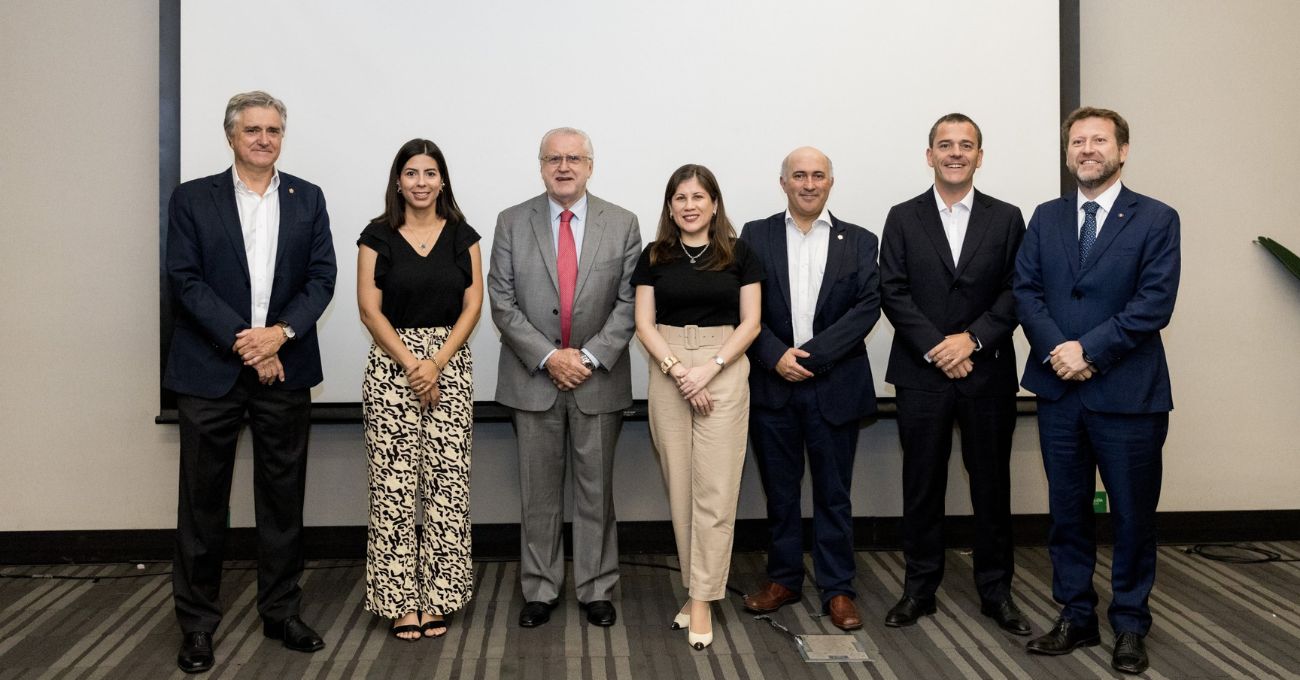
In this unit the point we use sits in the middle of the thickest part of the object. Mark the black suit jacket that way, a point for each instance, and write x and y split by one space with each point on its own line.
212 299
927 296
848 306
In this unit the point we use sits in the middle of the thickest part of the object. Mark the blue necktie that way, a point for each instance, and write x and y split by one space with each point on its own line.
1088 234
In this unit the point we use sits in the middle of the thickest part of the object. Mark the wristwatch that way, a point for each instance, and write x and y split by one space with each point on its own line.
287 330
722 363
586 361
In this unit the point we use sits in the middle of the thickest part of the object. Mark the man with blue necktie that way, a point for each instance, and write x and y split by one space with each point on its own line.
1096 280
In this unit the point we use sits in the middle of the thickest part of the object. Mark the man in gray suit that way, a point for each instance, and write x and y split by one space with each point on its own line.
561 297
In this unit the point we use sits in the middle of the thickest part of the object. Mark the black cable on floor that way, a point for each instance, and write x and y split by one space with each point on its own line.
1236 553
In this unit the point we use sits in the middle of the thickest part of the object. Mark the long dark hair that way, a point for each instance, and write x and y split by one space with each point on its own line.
722 236
395 205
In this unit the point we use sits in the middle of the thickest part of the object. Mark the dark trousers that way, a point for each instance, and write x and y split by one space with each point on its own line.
209 431
1125 448
780 438
925 421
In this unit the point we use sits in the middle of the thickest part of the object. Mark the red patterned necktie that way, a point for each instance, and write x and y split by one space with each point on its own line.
566 262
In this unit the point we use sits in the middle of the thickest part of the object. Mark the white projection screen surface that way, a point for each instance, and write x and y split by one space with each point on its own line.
731 85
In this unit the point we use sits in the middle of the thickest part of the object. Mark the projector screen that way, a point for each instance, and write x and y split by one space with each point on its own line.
731 85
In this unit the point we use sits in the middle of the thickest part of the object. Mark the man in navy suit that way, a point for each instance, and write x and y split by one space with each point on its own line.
811 384
251 265
1095 282
947 262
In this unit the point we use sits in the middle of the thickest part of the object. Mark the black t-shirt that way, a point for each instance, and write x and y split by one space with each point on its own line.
420 292
687 295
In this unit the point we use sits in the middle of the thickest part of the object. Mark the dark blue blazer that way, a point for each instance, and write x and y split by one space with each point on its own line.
212 299
927 296
1114 306
848 306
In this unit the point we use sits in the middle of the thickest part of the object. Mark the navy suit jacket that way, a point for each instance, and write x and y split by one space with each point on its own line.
848 306
207 268
1114 306
927 296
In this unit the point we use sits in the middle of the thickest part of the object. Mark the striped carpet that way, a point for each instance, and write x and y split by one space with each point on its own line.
1213 620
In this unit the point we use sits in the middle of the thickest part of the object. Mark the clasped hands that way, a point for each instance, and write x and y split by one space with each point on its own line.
259 348
566 368
692 382
1068 362
952 355
423 377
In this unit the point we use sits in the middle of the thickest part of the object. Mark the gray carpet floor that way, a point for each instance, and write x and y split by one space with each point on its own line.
1212 620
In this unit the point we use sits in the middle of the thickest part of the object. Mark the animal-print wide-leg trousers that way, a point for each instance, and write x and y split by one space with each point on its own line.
421 452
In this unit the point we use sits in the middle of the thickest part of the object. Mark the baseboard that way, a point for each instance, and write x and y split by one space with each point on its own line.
501 541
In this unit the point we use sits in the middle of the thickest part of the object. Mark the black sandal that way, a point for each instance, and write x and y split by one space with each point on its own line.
408 628
433 625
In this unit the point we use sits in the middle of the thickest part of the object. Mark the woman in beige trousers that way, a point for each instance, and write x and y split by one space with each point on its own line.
697 311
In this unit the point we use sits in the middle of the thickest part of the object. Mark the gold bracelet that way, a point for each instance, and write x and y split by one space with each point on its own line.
668 363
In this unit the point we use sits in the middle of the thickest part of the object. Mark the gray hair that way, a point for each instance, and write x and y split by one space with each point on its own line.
586 140
245 100
785 162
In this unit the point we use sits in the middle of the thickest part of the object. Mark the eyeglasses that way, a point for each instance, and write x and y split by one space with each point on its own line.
555 161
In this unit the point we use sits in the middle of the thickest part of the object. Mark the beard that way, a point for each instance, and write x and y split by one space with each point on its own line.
1109 168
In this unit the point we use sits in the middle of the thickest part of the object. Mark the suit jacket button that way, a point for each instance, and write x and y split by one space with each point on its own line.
555 311
1076 295
557 343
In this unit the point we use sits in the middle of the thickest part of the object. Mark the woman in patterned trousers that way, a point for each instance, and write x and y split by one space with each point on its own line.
420 294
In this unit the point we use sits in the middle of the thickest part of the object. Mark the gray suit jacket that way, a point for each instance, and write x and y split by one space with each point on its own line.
524 291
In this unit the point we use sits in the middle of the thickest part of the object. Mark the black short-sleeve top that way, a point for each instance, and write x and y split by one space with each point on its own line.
686 294
421 291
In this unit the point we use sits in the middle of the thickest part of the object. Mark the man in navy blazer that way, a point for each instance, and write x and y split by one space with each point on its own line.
811 383
947 261
250 260
1096 280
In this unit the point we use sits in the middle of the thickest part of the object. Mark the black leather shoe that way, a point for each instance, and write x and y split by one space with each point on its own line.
1007 615
1130 654
295 634
535 614
908 611
1063 638
196 653
600 612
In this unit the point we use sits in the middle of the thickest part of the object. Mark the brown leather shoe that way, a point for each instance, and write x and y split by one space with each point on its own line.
844 614
771 597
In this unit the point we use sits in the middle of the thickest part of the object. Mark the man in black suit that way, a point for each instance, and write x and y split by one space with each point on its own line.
251 265
947 262
810 382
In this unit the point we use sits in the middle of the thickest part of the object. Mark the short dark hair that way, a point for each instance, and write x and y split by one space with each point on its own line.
395 205
957 118
1121 125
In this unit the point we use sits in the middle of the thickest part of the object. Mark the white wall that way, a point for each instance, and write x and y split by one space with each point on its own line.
1207 87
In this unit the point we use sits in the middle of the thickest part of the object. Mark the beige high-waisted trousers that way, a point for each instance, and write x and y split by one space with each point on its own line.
701 456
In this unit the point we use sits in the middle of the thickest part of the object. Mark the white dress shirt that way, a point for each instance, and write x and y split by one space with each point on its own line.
1106 200
259 218
955 220
577 225
806 255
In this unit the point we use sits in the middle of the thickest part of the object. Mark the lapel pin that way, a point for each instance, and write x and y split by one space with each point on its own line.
1121 215
840 236
291 191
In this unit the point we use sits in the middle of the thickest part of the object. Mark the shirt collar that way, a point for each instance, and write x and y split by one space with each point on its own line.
966 202
823 220
579 209
270 188
1105 200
